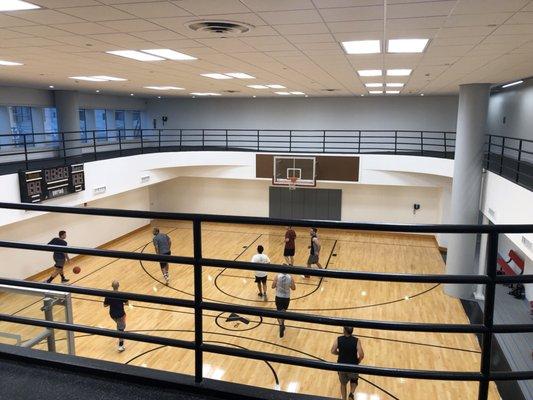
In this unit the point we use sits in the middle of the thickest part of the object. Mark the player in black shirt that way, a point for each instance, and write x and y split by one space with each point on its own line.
117 313
349 351
60 258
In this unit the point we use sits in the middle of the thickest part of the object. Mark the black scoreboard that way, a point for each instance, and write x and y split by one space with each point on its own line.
48 183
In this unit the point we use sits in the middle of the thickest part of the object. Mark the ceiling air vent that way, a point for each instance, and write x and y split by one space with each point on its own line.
231 91
330 90
220 28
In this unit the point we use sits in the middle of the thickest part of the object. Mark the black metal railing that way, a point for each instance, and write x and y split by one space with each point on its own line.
199 304
508 157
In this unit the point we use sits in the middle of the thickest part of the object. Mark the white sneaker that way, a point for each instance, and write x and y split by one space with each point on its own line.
166 280
121 349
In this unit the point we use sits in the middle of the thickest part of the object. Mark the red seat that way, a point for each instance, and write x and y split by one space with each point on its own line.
506 268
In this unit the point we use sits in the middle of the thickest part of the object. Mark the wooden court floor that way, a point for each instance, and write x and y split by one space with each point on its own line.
352 299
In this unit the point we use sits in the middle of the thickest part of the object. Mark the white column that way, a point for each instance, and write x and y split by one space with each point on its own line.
466 187
68 120
482 262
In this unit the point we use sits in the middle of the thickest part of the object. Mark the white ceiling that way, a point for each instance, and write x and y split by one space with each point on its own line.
294 43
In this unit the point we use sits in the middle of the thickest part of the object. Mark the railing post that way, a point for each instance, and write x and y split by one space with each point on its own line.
395 142
290 141
181 135
422 143
258 140
198 322
501 155
64 148
445 147
25 150
94 145
119 143
518 161
359 143
323 141
488 153
203 139
158 139
488 314
142 143
226 139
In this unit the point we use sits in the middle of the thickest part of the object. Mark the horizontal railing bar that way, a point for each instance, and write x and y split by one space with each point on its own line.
98 331
145 298
345 274
513 328
332 366
525 228
514 279
336 321
510 375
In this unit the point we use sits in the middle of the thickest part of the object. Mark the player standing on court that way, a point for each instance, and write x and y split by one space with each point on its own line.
261 276
60 258
314 250
117 313
283 283
349 351
290 245
162 244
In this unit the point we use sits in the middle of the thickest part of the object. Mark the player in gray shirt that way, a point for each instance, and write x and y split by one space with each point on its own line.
283 283
162 244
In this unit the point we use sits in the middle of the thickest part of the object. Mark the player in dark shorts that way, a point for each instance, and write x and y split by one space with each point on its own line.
60 258
349 351
314 250
261 276
283 283
162 245
290 245
117 313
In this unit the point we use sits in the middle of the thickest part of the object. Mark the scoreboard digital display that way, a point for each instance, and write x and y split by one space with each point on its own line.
49 183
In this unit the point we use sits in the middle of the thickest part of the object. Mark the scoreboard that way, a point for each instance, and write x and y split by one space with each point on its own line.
48 183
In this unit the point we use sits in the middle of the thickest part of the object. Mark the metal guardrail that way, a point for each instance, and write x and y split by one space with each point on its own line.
486 329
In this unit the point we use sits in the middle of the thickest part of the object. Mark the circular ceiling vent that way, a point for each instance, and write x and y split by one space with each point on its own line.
220 28
329 90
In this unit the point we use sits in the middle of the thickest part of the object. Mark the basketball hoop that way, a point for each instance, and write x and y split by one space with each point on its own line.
292 182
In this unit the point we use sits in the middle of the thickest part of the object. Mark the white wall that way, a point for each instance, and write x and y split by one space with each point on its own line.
360 203
83 231
416 113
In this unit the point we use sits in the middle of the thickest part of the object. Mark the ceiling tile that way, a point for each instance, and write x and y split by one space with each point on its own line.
488 6
302 29
352 13
86 28
359 26
45 17
159 35
319 38
40 30
131 25
97 13
521 18
477 19
278 5
290 17
153 9
207 7
424 9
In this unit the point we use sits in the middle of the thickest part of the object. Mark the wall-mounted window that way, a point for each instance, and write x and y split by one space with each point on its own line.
21 124
120 122
50 125
100 124
136 122
83 125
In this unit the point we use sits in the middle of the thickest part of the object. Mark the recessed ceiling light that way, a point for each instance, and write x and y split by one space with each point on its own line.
399 72
254 97
362 46
109 78
135 55
131 94
169 54
276 86
395 84
217 76
87 78
283 93
158 97
407 45
257 86
306 95
240 75
16 5
97 91
512 84
298 93
51 86
164 88
392 91
9 63
205 94
374 84
375 91
421 94
369 72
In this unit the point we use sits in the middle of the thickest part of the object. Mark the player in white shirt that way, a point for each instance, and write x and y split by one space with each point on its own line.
261 276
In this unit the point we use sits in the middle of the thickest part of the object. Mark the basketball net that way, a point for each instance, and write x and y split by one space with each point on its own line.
292 182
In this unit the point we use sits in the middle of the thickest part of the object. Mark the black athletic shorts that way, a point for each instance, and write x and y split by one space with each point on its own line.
164 264
59 263
288 252
282 303
261 279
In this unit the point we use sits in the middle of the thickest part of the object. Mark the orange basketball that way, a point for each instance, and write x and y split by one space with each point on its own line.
76 270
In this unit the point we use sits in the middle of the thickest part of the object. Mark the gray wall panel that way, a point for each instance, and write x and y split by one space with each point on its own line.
305 203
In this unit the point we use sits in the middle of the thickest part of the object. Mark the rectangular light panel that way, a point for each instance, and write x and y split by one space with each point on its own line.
87 78
283 93
369 72
375 91
257 86
164 88
205 94
512 84
9 63
399 72
362 46
109 78
240 75
135 55
374 84
407 45
217 76
276 86
392 91
16 5
298 93
169 54
395 84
